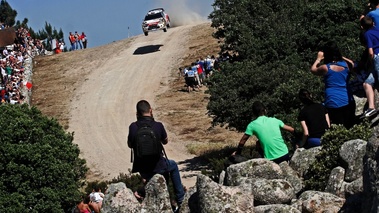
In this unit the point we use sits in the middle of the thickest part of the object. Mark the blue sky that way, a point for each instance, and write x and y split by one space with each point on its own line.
105 21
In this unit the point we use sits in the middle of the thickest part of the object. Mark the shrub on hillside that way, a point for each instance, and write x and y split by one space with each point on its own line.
318 173
132 181
237 86
40 168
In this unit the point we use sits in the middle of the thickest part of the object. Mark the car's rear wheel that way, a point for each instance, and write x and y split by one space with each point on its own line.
146 33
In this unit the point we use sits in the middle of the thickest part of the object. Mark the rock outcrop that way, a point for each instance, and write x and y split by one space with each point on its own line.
259 185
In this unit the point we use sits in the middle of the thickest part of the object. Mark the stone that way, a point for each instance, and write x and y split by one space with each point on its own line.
214 197
303 158
254 168
274 191
371 174
119 199
191 201
315 201
157 197
275 208
292 177
336 182
352 153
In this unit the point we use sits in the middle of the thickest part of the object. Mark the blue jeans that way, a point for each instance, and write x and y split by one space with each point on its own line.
312 142
176 181
173 170
372 79
77 44
72 46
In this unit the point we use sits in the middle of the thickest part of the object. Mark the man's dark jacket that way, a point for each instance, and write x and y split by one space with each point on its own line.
147 165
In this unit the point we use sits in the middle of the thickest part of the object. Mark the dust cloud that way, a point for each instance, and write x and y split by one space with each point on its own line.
181 13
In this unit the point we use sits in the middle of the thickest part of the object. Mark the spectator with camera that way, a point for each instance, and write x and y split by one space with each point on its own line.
335 70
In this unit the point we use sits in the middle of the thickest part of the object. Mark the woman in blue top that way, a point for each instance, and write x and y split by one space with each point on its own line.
338 98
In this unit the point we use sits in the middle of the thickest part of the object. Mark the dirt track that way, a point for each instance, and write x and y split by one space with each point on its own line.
104 105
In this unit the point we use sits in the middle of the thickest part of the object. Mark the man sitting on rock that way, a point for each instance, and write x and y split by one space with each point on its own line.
148 166
267 130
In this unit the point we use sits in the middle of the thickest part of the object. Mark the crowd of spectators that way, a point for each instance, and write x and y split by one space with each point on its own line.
77 41
15 66
196 74
16 62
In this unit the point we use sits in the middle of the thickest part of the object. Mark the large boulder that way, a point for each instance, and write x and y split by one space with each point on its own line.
354 196
315 201
277 208
119 199
157 198
191 201
352 153
371 174
303 158
274 191
291 176
353 188
214 197
336 182
254 168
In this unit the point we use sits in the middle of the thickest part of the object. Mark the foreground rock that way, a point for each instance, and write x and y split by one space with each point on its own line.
314 201
119 199
213 197
259 185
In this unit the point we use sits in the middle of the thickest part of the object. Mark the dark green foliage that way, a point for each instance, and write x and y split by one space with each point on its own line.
239 85
255 29
7 14
132 181
40 168
318 173
277 43
8 17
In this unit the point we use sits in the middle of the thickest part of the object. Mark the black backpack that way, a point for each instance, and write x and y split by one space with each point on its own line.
146 142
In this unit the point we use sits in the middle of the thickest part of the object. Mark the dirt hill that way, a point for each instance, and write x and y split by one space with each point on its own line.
93 93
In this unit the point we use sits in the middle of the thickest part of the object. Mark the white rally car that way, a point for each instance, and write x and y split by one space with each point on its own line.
155 19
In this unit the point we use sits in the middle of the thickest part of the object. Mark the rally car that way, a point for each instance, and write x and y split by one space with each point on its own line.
155 19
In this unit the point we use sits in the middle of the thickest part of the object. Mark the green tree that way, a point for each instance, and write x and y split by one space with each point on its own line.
40 168
277 43
8 17
7 14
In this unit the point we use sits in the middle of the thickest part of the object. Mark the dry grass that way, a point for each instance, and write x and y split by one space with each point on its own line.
54 84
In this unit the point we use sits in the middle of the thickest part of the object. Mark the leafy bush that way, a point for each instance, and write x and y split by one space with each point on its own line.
318 173
235 89
277 43
40 168
132 181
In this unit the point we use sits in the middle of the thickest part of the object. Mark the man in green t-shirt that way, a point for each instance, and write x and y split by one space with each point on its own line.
267 130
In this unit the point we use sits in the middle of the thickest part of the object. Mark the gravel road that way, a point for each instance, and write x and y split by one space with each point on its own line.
104 105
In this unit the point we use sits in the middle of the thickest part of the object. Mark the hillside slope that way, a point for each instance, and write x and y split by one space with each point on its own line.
93 93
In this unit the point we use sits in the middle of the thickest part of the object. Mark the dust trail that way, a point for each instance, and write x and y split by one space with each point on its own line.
183 12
